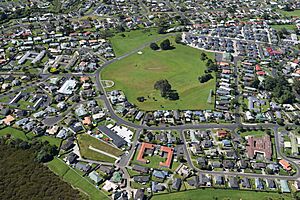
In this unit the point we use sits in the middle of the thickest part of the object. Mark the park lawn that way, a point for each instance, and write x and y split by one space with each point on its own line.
132 40
286 26
14 132
137 74
76 180
253 133
85 141
290 13
210 194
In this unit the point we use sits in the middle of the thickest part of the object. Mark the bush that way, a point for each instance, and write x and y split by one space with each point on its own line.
154 46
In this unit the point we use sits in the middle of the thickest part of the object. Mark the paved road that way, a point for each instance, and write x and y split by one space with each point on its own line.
227 173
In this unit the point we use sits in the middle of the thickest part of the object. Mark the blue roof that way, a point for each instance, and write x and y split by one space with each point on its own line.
160 174
284 186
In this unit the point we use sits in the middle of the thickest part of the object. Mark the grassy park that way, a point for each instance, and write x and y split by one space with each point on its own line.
136 75
85 141
208 194
132 40
286 26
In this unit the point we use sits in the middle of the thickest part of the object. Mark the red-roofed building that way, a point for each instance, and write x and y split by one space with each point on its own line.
222 133
261 73
261 145
285 165
258 68
170 152
144 146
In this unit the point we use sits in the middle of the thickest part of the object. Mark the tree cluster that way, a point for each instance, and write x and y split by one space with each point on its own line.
166 90
204 78
43 151
24 178
165 45
280 89
211 66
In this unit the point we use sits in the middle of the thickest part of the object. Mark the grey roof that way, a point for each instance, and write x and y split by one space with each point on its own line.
116 139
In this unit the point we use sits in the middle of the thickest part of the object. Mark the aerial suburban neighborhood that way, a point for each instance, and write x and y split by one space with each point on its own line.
150 99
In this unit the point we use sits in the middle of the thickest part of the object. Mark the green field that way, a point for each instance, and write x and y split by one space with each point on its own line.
295 13
253 133
21 135
207 194
132 40
85 141
286 26
14 132
154 162
76 180
136 75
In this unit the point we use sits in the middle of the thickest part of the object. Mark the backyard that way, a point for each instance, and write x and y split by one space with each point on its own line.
136 75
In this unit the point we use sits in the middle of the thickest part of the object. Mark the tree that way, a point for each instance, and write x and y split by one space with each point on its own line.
205 78
255 82
164 87
203 56
161 30
154 46
297 85
165 45
166 90
178 39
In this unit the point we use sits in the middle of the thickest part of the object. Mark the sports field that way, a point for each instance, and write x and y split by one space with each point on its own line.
210 194
136 75
294 13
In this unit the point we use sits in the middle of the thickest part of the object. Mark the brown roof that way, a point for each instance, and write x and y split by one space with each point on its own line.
259 145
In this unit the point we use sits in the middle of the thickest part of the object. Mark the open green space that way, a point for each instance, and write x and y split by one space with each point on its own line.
132 40
253 133
154 162
294 13
85 141
137 74
286 26
209 193
21 135
13 132
76 180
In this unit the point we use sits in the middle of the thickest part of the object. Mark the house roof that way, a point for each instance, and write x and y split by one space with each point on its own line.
170 152
144 146
116 139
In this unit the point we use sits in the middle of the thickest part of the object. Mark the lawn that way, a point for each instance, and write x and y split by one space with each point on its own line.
286 26
137 74
154 162
253 133
52 140
290 13
76 180
132 40
209 193
14 132
85 141
21 135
